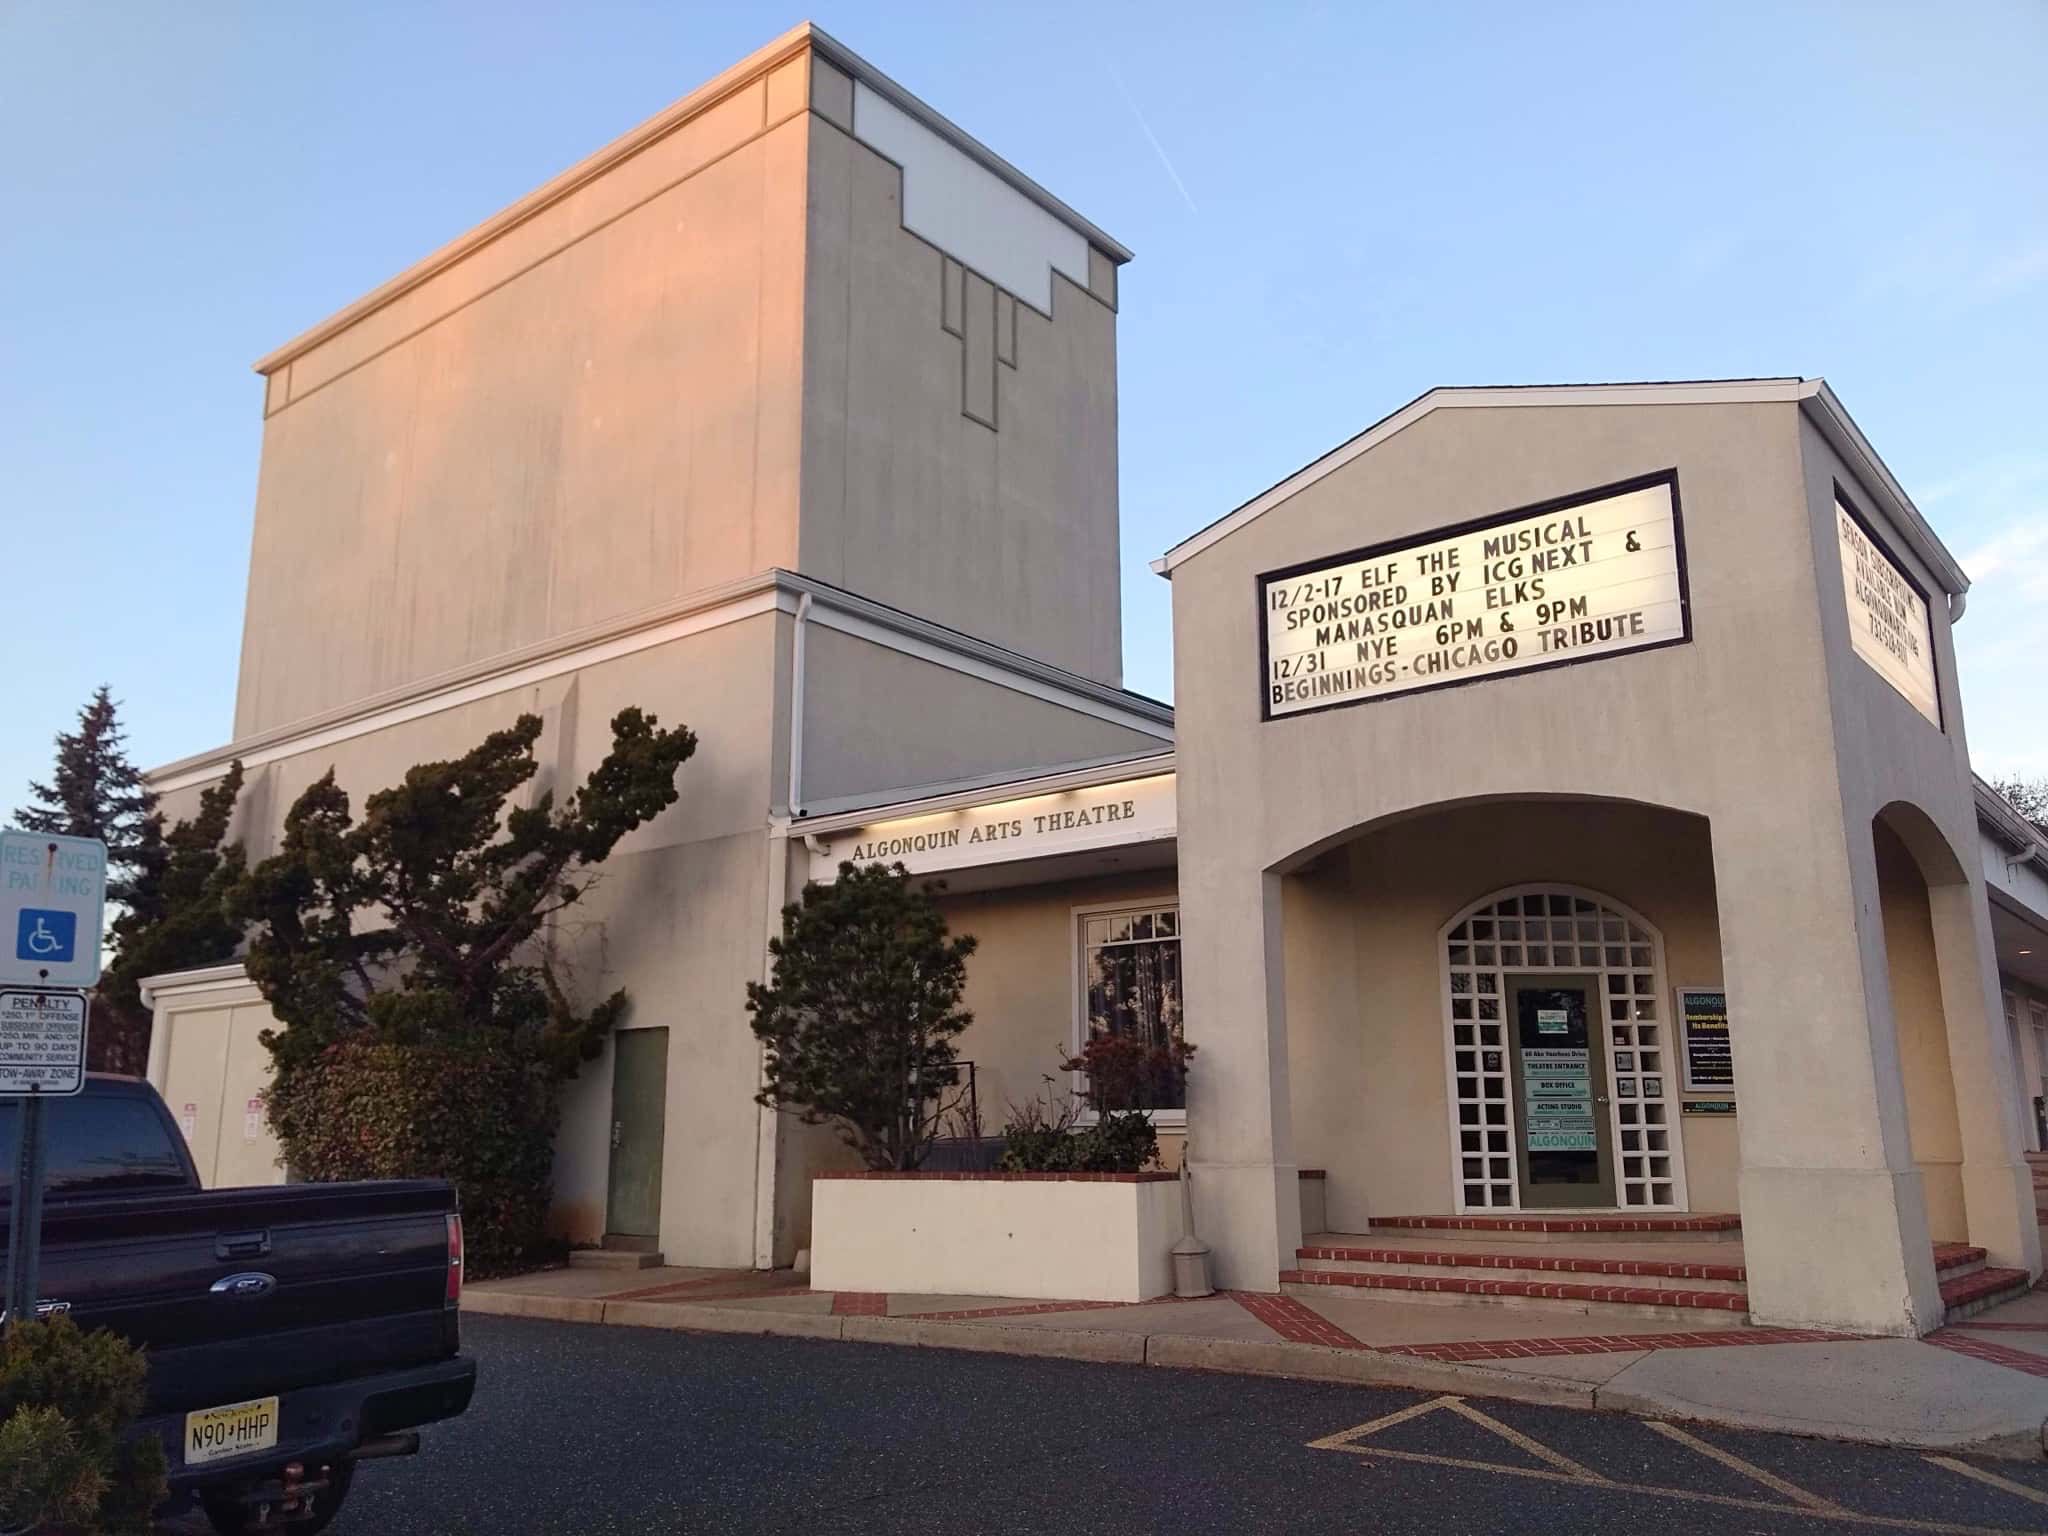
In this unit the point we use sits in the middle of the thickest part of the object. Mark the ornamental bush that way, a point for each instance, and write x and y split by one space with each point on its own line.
465 1111
1126 1073
857 1021
1044 1135
65 1398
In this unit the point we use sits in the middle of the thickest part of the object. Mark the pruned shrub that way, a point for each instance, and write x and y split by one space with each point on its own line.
1044 1135
65 1398
858 1019
473 1114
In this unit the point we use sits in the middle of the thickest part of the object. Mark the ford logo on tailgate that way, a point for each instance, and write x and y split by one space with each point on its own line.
246 1286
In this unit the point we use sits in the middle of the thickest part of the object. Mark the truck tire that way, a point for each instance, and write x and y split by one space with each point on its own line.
233 1519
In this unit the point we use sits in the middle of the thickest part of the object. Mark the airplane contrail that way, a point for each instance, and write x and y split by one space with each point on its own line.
1157 147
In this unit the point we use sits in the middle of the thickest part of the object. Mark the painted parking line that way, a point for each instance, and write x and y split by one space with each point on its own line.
1515 1437
1558 1468
1990 1479
1748 1469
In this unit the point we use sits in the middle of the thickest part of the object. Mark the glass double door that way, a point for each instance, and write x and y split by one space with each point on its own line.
1564 1142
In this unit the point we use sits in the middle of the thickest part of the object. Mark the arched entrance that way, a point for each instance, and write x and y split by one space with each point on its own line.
1560 1057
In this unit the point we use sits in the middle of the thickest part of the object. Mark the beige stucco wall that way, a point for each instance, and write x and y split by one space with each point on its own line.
1006 531
1752 725
1022 981
1915 979
1054 1238
711 354
678 914
594 414
1366 1057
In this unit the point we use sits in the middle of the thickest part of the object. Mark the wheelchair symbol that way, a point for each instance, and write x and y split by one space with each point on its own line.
46 935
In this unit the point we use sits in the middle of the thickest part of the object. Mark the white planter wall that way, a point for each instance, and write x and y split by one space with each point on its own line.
1103 1237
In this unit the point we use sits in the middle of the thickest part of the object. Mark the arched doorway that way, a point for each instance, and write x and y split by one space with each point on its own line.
1560 1056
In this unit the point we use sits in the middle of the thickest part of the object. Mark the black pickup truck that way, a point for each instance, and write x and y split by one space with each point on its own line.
291 1332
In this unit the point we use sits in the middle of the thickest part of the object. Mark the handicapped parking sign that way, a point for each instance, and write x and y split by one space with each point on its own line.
52 899
46 937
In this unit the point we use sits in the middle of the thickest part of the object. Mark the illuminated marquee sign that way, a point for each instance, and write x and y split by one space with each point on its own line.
1888 623
1596 575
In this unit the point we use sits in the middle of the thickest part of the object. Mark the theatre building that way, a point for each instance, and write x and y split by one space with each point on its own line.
1565 812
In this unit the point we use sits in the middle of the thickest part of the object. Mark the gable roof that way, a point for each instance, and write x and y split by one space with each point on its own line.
1813 397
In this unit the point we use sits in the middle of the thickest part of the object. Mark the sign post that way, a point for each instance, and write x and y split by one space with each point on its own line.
52 906
42 1056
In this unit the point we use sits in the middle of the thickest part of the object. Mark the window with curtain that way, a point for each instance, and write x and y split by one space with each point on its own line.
1130 978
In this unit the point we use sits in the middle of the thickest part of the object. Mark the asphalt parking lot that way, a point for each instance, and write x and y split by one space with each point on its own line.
620 1429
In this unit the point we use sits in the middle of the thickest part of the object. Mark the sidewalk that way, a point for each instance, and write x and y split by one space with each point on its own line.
1981 1384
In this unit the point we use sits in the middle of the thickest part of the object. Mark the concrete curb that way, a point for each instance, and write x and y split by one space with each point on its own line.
1244 1357
1098 1345
553 1309
2028 1444
1358 1367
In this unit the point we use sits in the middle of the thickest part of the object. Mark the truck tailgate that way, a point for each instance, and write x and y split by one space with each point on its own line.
337 1280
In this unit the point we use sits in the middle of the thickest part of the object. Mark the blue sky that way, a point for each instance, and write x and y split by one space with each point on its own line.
1333 208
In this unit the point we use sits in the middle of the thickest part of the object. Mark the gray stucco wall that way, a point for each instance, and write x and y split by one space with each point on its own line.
877 720
1008 532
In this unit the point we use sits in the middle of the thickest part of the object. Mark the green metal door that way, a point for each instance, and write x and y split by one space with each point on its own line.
639 1104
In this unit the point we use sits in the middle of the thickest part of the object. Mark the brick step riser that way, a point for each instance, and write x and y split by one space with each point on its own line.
1592 1276
1423 1235
1496 1272
1693 1318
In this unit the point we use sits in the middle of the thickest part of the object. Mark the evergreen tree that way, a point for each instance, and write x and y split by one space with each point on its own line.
861 1012
175 919
425 1026
95 792
425 918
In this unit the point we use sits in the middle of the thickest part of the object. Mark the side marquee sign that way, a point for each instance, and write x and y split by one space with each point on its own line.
1593 575
1888 621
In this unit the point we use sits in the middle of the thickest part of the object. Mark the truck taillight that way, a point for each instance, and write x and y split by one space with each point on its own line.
455 1260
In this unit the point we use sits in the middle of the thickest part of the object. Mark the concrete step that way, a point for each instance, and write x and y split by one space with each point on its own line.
612 1258
1966 1295
1692 1307
1533 1263
1564 1229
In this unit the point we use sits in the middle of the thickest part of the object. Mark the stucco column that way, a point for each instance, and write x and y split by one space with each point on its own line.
1998 1186
1240 1140
1834 1221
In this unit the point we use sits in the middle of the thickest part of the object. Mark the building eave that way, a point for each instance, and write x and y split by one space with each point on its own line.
922 800
766 592
1997 815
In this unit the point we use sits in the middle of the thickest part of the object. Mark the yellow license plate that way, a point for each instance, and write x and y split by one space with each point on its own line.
234 1429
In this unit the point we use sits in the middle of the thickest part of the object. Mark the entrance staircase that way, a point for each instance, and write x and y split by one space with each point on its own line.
1682 1269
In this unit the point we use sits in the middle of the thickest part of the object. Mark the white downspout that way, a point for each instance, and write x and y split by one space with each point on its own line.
767 1123
796 708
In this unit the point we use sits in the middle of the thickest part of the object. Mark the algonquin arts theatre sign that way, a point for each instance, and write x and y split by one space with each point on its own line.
1600 573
